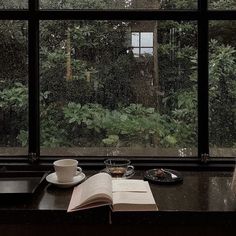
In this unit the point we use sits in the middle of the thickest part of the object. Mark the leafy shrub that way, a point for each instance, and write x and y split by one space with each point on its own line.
126 126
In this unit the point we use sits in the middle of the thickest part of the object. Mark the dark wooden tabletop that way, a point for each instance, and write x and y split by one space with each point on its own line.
202 194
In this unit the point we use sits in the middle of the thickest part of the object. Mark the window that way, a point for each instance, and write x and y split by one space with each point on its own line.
13 87
222 96
96 97
130 78
142 43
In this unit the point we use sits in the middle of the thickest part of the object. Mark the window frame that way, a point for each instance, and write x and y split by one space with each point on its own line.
140 47
202 15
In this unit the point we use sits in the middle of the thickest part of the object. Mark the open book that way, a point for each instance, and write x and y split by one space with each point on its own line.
120 194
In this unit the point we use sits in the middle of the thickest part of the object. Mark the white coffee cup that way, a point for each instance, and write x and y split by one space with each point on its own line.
66 170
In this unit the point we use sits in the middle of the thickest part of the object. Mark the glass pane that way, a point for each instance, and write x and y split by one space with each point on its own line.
13 88
222 88
119 4
135 39
99 97
13 4
146 39
147 51
222 4
136 52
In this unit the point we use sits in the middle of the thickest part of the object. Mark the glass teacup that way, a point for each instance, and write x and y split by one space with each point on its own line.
118 167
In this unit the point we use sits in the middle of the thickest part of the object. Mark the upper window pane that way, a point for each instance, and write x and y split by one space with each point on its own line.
146 39
222 4
119 4
13 88
104 94
135 39
13 4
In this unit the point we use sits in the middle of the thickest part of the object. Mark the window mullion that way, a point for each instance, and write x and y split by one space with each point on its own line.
33 61
203 81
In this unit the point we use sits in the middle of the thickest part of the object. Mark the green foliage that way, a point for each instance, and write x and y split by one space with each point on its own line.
111 140
185 116
126 126
13 103
97 4
179 4
90 115
15 97
10 4
81 4
97 61
52 134
222 4
22 138
13 59
222 93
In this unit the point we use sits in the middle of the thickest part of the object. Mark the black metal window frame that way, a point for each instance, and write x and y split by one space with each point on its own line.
202 15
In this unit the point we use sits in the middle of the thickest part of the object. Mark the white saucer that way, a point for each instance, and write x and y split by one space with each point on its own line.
52 178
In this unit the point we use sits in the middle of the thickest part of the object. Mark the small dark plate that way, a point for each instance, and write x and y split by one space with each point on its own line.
151 175
20 184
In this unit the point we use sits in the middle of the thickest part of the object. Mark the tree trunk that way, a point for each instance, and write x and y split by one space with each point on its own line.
155 66
68 57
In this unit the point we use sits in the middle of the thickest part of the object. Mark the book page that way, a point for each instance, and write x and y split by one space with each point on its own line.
128 185
134 201
96 189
